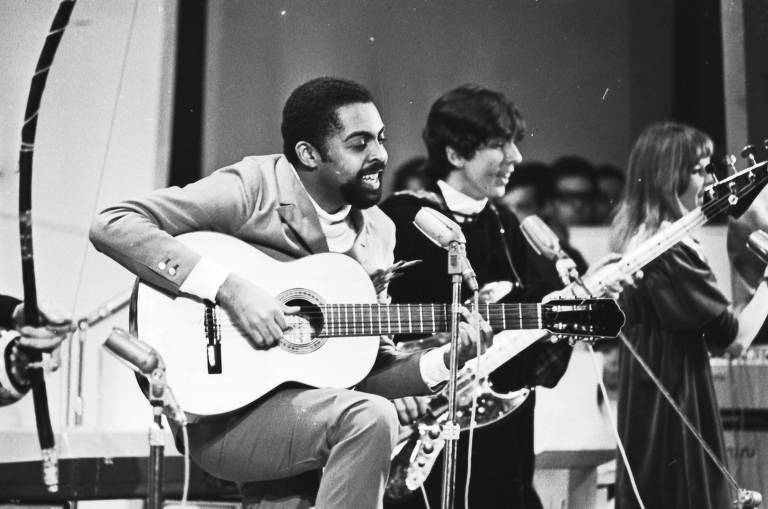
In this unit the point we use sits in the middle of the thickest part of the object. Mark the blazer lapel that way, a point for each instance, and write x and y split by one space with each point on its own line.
297 211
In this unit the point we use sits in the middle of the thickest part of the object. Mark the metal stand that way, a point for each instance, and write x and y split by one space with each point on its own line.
156 451
456 255
156 443
76 355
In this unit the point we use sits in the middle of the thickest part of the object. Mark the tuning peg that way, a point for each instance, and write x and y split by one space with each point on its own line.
730 161
748 152
765 144
711 168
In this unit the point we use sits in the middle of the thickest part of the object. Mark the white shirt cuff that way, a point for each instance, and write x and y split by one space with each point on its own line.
205 279
432 367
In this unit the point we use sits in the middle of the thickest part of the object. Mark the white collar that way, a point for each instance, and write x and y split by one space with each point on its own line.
460 202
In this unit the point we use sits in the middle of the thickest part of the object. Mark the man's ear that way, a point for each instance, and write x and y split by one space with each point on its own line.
456 160
308 155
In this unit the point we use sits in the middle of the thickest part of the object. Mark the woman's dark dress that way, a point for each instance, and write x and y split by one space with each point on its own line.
674 316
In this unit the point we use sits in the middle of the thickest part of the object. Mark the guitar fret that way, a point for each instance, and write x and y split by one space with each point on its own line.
520 313
410 323
399 322
345 319
541 323
378 313
370 320
421 320
432 306
504 315
488 314
389 321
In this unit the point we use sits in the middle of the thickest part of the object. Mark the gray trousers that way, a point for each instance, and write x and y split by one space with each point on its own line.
276 448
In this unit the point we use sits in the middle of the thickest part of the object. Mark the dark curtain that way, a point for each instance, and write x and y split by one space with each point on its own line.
698 96
187 130
756 63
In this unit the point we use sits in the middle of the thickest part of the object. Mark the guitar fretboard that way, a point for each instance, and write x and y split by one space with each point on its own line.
375 319
646 252
504 349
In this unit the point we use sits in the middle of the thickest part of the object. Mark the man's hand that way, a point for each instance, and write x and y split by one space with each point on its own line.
411 408
471 328
611 291
260 315
46 338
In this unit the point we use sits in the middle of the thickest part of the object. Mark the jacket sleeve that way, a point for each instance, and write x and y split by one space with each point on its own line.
138 233
12 362
7 306
395 374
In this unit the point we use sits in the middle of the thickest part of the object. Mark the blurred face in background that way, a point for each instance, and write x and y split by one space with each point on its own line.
522 200
572 200
608 195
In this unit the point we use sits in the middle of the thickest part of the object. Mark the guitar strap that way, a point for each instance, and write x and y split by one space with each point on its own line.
518 282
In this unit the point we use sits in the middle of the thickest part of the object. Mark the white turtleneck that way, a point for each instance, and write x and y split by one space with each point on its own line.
460 202
337 227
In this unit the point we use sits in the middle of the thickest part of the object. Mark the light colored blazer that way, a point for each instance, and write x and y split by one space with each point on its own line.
261 201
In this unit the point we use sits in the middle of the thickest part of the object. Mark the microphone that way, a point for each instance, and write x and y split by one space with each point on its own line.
143 359
446 234
438 228
546 243
758 244
139 356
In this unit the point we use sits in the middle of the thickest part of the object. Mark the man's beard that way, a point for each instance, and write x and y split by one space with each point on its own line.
358 194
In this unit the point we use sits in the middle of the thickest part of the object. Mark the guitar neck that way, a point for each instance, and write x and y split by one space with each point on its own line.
645 253
382 319
504 349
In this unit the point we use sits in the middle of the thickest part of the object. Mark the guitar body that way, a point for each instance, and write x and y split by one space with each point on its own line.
420 443
176 327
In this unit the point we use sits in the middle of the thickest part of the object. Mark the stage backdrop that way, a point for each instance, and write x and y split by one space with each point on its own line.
567 65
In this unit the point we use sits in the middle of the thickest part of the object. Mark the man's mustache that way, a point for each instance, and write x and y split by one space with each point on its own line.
374 167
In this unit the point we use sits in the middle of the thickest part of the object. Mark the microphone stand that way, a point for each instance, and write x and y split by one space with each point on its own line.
450 431
157 387
95 317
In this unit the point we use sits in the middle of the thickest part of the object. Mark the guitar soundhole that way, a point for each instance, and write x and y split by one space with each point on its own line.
303 336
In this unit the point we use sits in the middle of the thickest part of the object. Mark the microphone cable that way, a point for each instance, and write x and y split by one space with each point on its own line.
614 425
741 493
475 388
185 489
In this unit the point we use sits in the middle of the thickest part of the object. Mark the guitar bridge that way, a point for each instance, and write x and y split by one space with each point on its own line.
213 335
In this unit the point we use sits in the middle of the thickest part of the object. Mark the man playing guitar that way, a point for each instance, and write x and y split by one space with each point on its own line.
318 196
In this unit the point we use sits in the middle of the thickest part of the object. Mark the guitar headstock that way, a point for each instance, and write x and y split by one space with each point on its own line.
735 192
583 318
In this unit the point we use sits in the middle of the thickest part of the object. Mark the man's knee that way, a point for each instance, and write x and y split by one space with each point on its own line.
375 416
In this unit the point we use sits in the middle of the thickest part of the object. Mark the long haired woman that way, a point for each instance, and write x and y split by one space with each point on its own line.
676 316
